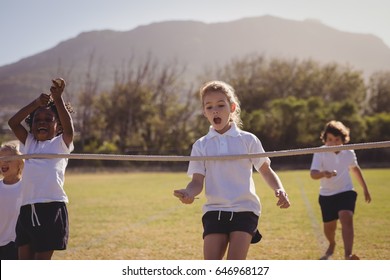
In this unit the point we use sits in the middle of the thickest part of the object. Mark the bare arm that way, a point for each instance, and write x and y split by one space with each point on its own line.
316 174
65 118
194 187
272 179
15 122
357 172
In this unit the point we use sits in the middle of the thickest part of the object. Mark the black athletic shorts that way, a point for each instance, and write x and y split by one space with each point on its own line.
227 222
44 226
332 204
9 251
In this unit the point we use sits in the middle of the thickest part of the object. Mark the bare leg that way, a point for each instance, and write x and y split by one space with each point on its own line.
214 246
330 234
238 245
346 220
44 255
25 252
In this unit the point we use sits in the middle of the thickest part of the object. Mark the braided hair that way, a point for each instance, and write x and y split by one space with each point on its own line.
51 105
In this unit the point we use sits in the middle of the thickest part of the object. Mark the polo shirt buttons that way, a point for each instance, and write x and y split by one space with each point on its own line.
223 147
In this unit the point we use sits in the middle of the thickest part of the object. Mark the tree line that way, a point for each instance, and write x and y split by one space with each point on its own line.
286 103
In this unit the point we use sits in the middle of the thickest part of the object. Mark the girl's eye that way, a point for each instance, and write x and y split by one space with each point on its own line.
44 120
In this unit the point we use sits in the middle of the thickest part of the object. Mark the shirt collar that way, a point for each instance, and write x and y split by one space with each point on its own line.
234 131
339 152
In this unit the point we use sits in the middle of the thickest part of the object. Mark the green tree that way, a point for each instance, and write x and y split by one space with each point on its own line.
347 112
378 127
287 102
85 109
147 110
379 93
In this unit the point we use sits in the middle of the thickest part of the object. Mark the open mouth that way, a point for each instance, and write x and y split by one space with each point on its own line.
4 169
42 129
217 120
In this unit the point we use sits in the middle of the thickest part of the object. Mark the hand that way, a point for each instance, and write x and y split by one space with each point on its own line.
330 174
57 88
43 100
183 196
283 201
367 196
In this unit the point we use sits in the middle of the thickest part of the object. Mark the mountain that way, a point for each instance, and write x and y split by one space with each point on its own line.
194 44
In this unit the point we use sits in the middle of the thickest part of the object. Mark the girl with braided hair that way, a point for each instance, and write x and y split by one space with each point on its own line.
43 225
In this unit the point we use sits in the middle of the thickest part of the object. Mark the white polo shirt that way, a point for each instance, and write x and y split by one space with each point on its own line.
43 179
229 184
341 162
10 202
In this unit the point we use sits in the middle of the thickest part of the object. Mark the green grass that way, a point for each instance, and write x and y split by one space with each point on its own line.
134 216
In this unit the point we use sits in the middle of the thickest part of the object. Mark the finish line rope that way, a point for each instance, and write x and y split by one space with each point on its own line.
282 153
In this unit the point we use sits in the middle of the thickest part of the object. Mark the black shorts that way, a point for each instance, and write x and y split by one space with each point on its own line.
45 230
227 222
9 251
332 204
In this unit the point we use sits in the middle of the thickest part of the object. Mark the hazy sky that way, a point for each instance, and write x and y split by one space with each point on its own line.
28 27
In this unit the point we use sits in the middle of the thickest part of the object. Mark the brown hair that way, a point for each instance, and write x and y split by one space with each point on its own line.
337 129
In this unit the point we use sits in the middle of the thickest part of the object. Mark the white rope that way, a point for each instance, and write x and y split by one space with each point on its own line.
282 153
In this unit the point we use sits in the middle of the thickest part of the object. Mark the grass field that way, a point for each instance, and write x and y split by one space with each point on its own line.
134 216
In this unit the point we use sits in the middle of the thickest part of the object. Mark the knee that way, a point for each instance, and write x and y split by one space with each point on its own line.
346 217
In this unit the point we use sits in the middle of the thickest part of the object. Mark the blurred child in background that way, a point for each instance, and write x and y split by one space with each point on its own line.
10 201
337 196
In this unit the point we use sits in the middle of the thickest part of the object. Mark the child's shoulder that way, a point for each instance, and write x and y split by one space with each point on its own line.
246 133
202 140
249 136
350 153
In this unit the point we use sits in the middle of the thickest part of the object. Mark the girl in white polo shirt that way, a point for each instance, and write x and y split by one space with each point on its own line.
43 224
232 210
337 196
10 201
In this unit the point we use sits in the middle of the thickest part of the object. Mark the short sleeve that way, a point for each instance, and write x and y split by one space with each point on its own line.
316 162
353 159
196 166
255 147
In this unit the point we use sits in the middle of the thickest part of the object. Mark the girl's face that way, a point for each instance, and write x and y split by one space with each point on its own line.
9 168
332 140
44 126
217 109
